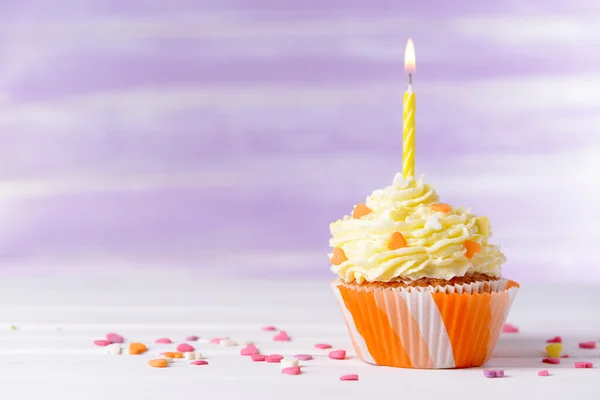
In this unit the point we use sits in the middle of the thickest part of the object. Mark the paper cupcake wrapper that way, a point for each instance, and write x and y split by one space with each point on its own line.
431 327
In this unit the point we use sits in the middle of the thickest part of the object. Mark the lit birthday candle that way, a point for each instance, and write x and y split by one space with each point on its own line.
408 137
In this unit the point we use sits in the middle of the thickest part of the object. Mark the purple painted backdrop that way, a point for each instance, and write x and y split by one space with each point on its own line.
225 136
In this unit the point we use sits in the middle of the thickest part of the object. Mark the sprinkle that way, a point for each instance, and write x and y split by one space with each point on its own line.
489 373
322 346
338 256
269 328
554 349
217 340
509 328
499 373
198 355
289 362
158 363
303 357
544 373
192 338
274 358
337 354
587 345
173 354
471 248
249 350
189 355
564 356
245 342
441 207
13 327
137 348
551 360
397 241
360 211
102 342
184 347
349 377
199 362
583 364
555 339
282 336
227 342
291 371
113 349
115 338
258 357
163 340
433 223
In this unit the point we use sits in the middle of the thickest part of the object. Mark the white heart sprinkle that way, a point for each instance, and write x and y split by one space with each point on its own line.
433 223
227 342
113 349
189 355
288 362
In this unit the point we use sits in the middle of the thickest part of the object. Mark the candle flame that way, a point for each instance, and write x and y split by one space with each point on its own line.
410 64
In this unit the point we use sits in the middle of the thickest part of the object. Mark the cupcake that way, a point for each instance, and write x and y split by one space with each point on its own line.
419 284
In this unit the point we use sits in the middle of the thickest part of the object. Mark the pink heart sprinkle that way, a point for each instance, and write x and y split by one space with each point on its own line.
564 356
217 340
269 328
551 360
102 342
199 362
583 364
163 340
184 348
555 339
249 350
322 346
587 345
349 377
282 336
509 328
291 371
499 373
115 338
258 357
489 373
544 373
303 357
274 358
192 338
337 354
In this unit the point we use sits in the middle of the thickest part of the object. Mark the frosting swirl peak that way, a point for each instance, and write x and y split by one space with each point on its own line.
403 232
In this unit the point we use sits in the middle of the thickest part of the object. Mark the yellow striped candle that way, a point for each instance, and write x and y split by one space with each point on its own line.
408 120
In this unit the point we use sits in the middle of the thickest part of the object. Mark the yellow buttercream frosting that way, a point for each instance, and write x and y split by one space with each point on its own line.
435 240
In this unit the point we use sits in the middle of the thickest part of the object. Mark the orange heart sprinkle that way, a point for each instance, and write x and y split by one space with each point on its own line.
397 241
173 354
472 248
442 207
360 211
338 256
137 348
158 363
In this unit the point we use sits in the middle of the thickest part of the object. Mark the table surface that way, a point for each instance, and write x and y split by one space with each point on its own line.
51 354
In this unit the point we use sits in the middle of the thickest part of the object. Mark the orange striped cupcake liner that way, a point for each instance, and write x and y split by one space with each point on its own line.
428 328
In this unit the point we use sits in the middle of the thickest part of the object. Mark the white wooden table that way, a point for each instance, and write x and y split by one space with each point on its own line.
40 360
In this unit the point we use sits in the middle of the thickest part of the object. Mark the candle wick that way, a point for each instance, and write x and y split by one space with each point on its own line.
409 82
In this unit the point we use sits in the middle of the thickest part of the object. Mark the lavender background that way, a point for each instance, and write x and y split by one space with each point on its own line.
224 136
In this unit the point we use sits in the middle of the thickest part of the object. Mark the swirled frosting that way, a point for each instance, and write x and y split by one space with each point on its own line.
439 241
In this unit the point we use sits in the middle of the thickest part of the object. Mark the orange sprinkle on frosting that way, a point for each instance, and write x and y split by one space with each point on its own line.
441 207
338 256
360 211
472 248
397 241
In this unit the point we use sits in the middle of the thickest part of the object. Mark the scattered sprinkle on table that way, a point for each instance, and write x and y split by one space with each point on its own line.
137 348
499 373
551 360
158 363
173 354
199 362
282 336
184 347
258 357
274 358
322 346
584 364
227 342
337 354
555 339
587 345
192 338
291 371
510 328
115 338
544 373
114 349
269 328
102 342
289 362
489 373
249 350
163 340
349 377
